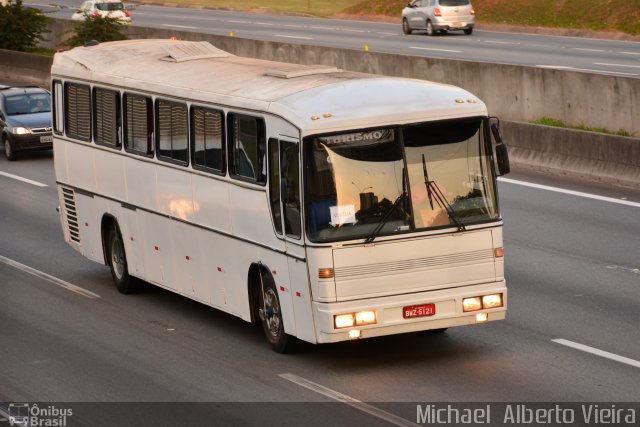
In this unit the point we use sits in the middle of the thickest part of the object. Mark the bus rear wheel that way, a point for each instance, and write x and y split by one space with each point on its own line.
271 318
118 263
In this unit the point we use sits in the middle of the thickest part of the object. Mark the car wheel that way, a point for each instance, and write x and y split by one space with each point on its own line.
468 31
10 150
271 317
118 263
405 26
430 30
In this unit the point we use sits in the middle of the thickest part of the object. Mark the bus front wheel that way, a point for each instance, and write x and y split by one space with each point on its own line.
271 317
118 263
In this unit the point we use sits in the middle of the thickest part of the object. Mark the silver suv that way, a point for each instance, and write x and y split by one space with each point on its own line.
438 15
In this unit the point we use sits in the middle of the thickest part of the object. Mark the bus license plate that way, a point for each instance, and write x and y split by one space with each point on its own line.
418 311
48 138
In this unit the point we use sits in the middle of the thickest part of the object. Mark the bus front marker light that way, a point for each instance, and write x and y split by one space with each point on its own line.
492 301
366 317
498 252
355 334
325 273
344 320
472 304
482 317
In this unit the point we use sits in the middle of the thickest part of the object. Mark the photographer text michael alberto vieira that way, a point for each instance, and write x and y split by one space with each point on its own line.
519 414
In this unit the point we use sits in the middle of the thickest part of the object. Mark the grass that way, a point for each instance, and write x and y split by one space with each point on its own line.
321 8
548 121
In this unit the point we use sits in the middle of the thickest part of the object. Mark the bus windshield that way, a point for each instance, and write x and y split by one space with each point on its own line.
380 182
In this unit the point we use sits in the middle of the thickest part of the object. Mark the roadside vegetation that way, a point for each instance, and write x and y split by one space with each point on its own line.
99 29
21 28
548 121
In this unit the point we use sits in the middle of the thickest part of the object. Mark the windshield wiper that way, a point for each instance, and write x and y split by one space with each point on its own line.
385 218
433 191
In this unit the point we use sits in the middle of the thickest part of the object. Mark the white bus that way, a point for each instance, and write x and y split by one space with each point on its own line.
327 205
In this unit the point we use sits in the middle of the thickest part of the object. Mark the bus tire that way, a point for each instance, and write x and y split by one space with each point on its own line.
118 263
271 318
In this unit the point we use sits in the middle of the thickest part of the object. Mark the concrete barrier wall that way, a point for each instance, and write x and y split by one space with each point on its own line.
515 94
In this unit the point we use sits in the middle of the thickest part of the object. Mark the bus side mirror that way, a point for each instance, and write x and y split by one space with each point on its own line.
502 156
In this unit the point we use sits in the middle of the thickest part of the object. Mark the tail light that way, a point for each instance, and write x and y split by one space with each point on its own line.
437 12
472 11
96 13
127 13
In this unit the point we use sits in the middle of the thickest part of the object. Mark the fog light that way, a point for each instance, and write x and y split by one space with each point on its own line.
492 301
471 304
343 320
365 317
354 334
482 317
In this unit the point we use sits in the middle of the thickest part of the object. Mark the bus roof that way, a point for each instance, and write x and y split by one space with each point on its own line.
315 98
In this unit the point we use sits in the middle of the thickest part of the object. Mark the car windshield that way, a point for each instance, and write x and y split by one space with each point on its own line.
395 180
28 103
106 7
454 2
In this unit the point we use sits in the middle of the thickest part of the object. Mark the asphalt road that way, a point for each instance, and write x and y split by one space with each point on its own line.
572 269
589 55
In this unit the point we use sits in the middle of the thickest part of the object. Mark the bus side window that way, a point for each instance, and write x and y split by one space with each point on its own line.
77 111
290 188
58 107
207 144
172 134
106 118
274 184
138 129
247 144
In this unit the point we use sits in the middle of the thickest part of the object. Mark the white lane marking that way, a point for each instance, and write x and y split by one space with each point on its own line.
387 34
179 26
265 23
59 282
627 269
27 180
349 30
238 22
499 42
294 37
570 192
292 25
616 65
562 67
348 400
588 50
597 352
323 28
434 49
630 53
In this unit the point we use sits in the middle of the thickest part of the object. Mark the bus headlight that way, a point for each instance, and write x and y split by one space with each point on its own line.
472 304
492 301
478 303
361 318
365 317
343 320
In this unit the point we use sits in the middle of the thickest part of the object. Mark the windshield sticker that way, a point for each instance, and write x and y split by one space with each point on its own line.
343 214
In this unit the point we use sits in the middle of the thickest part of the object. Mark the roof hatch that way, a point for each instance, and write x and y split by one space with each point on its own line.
302 70
189 51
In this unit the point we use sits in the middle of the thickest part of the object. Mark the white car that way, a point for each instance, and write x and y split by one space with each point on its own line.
438 15
104 8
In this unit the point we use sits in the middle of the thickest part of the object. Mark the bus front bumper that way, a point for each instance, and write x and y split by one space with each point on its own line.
390 310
